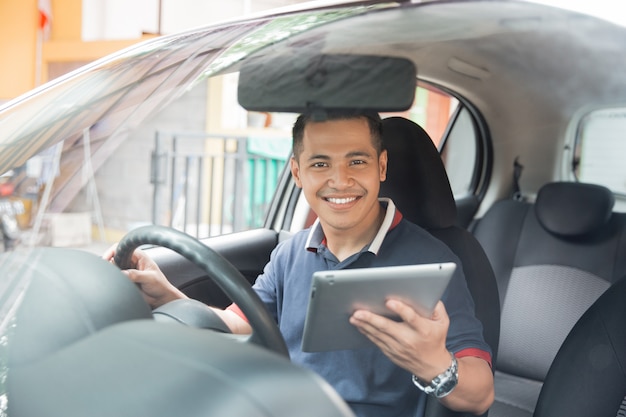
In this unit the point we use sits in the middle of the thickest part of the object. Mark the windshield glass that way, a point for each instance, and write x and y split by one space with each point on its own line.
152 134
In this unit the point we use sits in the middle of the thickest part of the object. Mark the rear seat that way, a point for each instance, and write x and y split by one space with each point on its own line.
552 260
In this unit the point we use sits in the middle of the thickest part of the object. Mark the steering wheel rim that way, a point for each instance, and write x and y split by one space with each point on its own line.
265 332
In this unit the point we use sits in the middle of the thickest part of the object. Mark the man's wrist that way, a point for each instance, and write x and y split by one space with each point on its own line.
442 384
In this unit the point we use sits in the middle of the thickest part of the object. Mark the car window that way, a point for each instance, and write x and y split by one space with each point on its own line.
460 154
600 149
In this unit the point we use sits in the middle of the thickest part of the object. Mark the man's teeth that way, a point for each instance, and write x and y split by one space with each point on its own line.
341 200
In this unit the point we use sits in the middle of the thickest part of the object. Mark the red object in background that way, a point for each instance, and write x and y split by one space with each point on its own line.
45 17
6 189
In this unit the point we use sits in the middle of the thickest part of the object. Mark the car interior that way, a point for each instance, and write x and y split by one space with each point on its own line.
87 333
418 184
544 254
594 350
552 259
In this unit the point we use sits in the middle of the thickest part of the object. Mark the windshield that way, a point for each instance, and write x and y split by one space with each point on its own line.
164 110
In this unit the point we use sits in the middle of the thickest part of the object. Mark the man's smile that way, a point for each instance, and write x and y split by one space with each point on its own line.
345 200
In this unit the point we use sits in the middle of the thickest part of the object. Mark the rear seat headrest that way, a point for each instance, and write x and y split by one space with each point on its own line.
573 209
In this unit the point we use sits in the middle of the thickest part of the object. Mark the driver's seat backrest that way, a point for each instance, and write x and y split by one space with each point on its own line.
552 259
588 375
418 184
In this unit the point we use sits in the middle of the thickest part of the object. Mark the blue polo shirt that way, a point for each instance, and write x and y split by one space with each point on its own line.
365 378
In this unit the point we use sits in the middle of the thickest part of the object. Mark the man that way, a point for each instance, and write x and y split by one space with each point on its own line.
339 164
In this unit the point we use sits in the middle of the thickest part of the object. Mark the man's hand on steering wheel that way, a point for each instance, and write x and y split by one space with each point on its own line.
159 292
154 286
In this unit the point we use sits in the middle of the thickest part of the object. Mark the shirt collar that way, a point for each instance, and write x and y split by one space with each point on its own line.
393 216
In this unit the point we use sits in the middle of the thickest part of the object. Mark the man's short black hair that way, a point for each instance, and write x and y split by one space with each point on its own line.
373 120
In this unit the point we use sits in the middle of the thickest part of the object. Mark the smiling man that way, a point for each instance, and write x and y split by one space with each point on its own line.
339 163
340 174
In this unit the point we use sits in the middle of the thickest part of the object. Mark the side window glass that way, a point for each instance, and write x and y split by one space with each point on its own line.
460 154
600 148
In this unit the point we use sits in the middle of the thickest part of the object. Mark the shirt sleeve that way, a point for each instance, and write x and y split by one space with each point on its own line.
476 353
465 334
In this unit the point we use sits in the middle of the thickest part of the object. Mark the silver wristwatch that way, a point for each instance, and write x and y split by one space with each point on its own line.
442 384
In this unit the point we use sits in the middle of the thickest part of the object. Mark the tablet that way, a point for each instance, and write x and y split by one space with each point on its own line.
336 294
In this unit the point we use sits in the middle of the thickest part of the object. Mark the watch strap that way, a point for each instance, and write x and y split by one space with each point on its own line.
449 375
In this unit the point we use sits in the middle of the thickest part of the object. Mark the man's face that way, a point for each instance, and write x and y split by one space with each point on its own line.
340 174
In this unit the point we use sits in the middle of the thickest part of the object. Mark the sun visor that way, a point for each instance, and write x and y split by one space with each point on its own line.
302 83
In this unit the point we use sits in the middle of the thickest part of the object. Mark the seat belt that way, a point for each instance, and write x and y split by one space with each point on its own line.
517 173
622 409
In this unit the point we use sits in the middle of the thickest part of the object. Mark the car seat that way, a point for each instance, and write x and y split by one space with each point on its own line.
418 184
552 259
588 375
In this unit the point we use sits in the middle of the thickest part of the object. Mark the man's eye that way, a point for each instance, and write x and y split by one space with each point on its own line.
358 162
319 164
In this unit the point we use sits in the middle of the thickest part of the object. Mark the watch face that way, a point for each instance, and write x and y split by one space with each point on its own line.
445 387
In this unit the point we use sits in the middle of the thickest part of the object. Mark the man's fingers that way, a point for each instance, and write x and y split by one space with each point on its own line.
410 326
409 315
440 314
109 253
134 275
406 313
374 327
378 327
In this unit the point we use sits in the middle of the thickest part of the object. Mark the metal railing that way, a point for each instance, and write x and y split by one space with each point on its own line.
209 184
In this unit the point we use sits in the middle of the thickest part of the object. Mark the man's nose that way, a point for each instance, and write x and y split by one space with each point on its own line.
340 177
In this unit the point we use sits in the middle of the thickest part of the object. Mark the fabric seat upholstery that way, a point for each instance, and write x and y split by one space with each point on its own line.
588 375
552 259
418 184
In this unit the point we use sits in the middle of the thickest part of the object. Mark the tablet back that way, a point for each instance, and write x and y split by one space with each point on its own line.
336 294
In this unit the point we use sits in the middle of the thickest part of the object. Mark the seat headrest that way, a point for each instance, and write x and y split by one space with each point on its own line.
416 177
573 209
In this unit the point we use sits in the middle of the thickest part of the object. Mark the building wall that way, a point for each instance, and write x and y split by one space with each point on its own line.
18 37
27 60
85 30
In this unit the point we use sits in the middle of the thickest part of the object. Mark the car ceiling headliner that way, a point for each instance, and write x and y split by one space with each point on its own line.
552 64
484 46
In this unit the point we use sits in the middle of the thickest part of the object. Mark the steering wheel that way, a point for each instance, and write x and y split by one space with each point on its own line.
265 332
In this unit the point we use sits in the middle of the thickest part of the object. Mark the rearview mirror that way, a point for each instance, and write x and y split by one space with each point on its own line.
303 83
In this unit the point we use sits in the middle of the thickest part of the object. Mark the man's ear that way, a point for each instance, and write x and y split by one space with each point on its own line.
382 164
295 171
